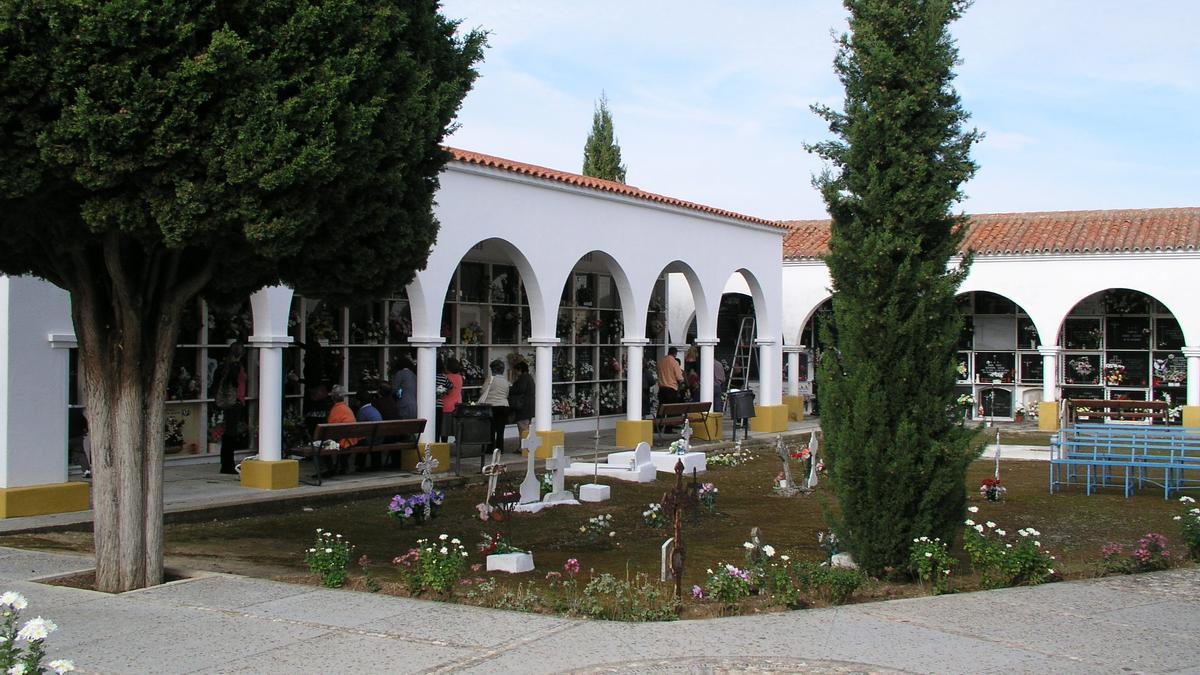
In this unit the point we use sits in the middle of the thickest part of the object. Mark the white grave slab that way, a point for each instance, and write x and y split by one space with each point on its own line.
638 468
513 563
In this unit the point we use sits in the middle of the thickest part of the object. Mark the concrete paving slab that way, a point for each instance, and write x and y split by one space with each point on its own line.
346 652
332 608
221 591
18 564
462 625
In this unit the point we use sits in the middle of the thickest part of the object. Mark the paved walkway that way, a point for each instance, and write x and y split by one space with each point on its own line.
216 623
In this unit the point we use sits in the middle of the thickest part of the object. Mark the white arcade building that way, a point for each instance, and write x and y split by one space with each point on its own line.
589 281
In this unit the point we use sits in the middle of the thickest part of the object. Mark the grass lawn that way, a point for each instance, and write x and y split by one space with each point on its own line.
1073 526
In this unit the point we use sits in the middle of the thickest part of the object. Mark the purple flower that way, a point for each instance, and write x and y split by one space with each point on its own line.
697 593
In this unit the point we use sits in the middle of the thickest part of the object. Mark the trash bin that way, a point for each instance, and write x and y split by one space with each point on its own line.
741 409
472 426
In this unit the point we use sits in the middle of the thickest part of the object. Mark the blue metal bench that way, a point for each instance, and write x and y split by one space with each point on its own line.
1136 451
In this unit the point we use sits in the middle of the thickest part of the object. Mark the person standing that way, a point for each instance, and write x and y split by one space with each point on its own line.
670 376
495 393
404 386
718 386
452 378
229 395
521 399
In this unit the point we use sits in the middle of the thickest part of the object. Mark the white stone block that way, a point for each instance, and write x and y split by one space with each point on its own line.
514 563
594 492
843 560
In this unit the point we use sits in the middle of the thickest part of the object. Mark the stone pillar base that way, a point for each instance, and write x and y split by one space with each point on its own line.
550 439
769 419
1048 416
632 432
795 406
39 500
1191 415
438 451
263 475
709 430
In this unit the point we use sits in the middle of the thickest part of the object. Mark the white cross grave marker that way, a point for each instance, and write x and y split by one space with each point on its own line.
492 471
426 467
686 435
531 487
558 464
812 458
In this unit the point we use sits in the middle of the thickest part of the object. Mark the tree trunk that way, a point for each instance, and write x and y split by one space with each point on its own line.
126 311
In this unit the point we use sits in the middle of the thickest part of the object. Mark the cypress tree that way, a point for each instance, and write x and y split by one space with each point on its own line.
601 153
898 450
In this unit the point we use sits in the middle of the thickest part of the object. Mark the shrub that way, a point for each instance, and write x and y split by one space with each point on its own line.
1113 559
598 529
1151 553
411 510
931 562
837 584
653 516
1001 562
329 556
727 584
1189 526
440 563
640 599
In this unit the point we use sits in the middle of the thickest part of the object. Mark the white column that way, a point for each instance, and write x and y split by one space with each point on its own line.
768 373
634 365
708 349
793 368
270 306
35 330
426 382
543 381
1193 374
1049 372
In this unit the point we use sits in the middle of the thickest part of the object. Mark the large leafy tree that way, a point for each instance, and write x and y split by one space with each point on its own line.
898 451
153 152
601 152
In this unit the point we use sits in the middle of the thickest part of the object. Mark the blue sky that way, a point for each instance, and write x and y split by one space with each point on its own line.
1087 104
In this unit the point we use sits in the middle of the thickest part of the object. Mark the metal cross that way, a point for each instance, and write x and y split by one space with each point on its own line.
675 503
492 471
426 468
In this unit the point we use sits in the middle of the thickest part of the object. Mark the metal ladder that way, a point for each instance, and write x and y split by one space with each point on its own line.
743 357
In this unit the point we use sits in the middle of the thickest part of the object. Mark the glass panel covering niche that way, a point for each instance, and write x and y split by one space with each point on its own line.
1081 369
1126 369
1132 332
1083 393
506 320
505 285
1082 334
996 402
1032 368
1027 334
1127 394
365 372
473 283
474 365
990 303
1168 334
995 332
1170 369
994 366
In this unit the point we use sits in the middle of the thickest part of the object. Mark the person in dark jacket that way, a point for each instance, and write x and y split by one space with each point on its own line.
521 400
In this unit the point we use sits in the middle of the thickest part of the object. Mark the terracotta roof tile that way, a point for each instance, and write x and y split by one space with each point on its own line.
578 180
1044 233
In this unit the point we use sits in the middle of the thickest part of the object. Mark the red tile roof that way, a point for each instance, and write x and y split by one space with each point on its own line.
1044 233
480 159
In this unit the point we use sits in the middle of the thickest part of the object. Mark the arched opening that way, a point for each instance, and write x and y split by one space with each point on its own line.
1122 344
736 317
811 336
999 366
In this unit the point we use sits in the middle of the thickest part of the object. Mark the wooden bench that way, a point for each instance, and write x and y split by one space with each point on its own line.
370 436
673 414
1120 411
1104 450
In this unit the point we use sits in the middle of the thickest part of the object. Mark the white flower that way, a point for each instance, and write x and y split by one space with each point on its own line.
1001 532
1037 543
444 537
612 534
973 509
36 629
1008 546
455 542
1034 532
769 550
990 524
1187 500
444 550
464 554
979 529
329 550
915 540
785 558
1177 518
968 522
748 546
708 571
339 536
17 669
319 530
928 554
14 600
62 665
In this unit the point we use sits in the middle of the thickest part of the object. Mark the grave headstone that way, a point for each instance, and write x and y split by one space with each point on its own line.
665 568
531 487
812 459
557 464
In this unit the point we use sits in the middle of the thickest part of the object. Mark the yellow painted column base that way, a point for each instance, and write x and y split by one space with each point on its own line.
709 430
1048 416
550 439
1191 415
438 451
263 475
39 500
769 419
795 406
632 432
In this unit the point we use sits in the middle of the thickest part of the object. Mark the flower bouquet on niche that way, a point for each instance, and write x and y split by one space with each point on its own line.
991 489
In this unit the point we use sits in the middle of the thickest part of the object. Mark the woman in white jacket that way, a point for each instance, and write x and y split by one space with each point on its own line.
495 394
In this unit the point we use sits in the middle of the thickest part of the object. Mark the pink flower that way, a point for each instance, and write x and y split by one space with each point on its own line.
571 567
697 593
476 567
553 576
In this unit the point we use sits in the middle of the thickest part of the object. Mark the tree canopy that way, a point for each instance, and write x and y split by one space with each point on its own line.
895 438
154 152
601 152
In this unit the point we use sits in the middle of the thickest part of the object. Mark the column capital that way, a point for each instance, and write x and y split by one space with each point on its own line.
707 342
543 341
266 341
635 341
764 342
1190 352
793 349
62 340
1050 350
426 341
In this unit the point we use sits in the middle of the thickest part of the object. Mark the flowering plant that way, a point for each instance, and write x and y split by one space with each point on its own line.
598 528
1114 373
472 333
585 371
708 497
329 556
375 332
584 404
436 565
562 406
961 370
610 398
735 458
678 447
1001 562
931 562
14 659
471 370
1189 525
1151 553
411 509
173 431
965 401
653 516
728 584
497 544
991 489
